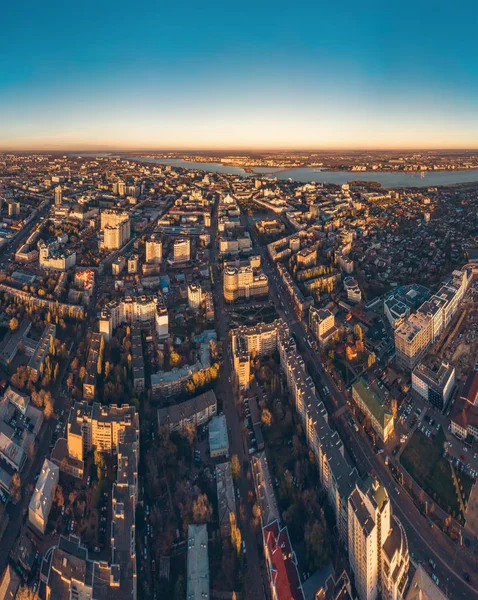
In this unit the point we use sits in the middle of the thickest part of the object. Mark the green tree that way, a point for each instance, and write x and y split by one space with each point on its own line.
317 552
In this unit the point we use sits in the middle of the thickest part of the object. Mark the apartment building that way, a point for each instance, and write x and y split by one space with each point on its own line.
94 362
282 565
140 309
101 427
244 282
435 384
197 411
197 563
352 290
377 544
43 496
154 250
116 228
194 296
260 339
412 338
322 324
373 407
181 250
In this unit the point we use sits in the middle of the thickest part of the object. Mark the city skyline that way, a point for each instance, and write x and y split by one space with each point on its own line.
257 77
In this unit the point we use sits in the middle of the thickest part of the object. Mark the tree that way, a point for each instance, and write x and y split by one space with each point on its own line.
394 406
349 353
371 359
174 358
317 551
48 406
236 537
358 332
13 324
266 417
59 498
189 433
202 510
25 593
235 467
15 488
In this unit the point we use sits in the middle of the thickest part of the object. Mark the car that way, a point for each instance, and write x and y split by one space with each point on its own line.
96 549
244 546
435 579
466 577
397 491
432 563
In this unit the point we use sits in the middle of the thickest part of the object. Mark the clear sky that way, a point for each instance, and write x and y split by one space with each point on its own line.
250 74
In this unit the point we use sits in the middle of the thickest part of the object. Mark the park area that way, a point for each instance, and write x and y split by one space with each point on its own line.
424 461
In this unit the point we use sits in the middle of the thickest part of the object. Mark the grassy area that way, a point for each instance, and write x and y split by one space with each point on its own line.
423 459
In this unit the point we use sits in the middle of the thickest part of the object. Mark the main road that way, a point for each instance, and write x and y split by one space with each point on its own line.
254 573
451 560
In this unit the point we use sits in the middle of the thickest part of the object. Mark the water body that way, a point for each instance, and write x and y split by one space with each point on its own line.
307 174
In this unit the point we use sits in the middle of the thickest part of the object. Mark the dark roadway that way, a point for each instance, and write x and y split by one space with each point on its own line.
255 565
424 542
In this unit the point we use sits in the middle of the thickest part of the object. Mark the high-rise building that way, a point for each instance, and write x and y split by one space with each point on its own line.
244 282
194 296
435 384
58 195
181 250
116 228
377 544
322 324
412 339
154 250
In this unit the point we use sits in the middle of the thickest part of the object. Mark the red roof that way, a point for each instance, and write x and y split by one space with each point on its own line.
284 576
470 389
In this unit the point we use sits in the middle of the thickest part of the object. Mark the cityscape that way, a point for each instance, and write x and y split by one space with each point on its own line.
238 302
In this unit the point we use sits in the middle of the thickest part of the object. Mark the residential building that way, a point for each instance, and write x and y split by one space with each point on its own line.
101 427
226 498
94 363
154 250
373 407
43 496
322 324
244 282
377 544
281 561
181 250
352 290
197 563
116 228
218 439
412 338
144 310
194 296
422 587
435 384
197 411
264 489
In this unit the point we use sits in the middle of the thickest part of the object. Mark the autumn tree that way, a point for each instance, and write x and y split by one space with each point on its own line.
236 537
59 498
371 359
202 510
266 417
235 467
13 324
358 332
15 488
26 593
394 407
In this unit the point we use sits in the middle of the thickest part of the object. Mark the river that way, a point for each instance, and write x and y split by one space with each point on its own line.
306 174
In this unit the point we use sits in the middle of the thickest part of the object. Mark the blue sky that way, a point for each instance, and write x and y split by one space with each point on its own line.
252 75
